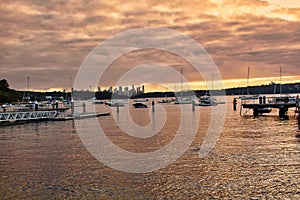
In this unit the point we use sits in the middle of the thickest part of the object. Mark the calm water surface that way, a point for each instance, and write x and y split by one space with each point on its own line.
254 158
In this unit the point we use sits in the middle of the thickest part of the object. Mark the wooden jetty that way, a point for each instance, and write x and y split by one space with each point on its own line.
281 103
297 112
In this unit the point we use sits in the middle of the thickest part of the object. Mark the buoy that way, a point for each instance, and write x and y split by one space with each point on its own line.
84 106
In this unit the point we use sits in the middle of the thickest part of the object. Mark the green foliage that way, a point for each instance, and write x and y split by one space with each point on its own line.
7 95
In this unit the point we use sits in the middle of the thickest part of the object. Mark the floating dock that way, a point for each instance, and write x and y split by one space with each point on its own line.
14 118
281 103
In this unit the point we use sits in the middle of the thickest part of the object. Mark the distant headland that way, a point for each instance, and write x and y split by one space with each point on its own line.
8 95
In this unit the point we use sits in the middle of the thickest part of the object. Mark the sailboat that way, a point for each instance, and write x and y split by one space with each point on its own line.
281 98
166 100
208 100
248 96
182 100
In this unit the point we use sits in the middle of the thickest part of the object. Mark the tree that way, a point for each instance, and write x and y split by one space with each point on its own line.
4 84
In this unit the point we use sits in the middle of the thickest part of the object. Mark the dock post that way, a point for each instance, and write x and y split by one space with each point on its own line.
283 113
260 100
118 109
193 106
264 99
36 106
153 106
72 106
83 107
234 104
255 111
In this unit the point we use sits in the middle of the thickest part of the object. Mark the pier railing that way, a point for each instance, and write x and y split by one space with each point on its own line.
27 115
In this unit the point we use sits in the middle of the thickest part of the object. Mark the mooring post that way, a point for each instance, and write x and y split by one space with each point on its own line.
260 100
153 106
298 111
36 106
118 109
283 113
193 106
264 100
83 107
234 104
72 106
255 111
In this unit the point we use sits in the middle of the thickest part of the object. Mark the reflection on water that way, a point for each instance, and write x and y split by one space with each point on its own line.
254 157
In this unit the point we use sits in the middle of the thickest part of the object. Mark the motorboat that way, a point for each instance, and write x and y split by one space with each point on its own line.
114 104
207 101
165 101
140 100
183 101
140 105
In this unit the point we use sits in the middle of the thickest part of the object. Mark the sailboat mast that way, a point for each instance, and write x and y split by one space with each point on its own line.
248 76
28 97
181 82
280 80
212 81
71 88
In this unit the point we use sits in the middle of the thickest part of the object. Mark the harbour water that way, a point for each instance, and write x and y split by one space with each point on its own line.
254 158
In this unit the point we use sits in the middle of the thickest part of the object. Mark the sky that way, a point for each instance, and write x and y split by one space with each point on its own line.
48 40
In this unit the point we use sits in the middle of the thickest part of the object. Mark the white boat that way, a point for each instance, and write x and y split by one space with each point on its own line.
115 104
140 100
165 101
205 104
183 101
207 101
248 96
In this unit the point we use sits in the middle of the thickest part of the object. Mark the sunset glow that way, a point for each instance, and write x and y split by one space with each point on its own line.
48 41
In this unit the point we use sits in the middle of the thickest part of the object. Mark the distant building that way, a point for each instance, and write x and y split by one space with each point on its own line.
115 90
126 89
143 89
132 91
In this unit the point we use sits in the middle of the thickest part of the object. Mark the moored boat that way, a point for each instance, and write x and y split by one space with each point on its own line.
140 105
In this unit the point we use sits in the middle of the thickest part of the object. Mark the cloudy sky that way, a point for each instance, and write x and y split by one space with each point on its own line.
48 40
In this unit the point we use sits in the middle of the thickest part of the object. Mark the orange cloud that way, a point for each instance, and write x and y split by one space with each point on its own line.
48 40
